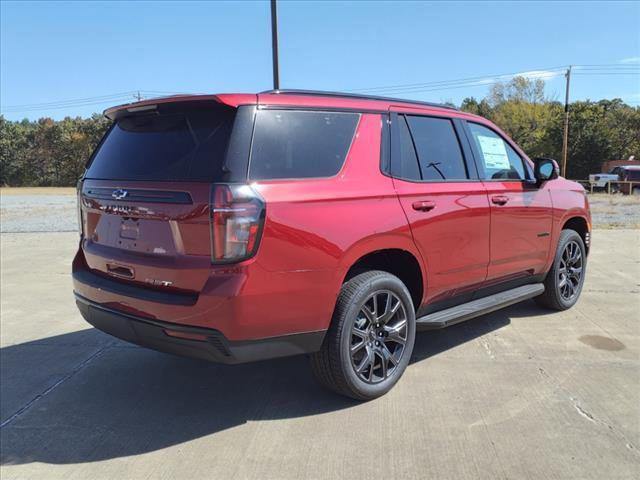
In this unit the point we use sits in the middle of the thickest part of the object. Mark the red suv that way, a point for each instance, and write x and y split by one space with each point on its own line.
242 227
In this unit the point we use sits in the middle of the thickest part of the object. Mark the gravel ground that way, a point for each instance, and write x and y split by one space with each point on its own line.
615 211
54 210
38 210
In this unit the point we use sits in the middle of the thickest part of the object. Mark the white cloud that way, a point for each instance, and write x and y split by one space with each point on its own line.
486 81
532 75
630 60
542 74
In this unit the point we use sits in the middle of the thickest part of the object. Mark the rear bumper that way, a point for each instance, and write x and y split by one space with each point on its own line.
196 342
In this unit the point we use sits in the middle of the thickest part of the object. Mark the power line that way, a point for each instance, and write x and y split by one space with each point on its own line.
87 101
75 100
608 73
453 86
544 73
433 86
483 77
60 107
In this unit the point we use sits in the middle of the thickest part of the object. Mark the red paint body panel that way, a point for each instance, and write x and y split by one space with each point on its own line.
453 237
520 230
316 229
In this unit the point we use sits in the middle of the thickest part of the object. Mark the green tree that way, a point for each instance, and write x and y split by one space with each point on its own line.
598 131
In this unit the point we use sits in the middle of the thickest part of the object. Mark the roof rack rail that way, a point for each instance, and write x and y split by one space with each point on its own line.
321 93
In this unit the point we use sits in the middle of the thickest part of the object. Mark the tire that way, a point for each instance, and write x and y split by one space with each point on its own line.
612 187
358 359
562 286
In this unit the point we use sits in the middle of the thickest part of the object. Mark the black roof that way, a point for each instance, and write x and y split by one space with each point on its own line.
321 93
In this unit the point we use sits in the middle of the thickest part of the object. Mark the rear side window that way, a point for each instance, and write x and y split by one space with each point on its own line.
407 167
439 153
498 160
172 143
300 144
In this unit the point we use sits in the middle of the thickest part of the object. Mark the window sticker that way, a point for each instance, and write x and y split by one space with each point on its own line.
494 153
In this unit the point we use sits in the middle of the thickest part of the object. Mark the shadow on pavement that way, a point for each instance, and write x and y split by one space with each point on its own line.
128 401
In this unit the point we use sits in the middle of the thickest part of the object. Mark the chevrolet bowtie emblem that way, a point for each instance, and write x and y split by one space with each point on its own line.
119 194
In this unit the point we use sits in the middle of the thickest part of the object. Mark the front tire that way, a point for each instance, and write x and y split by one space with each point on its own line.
564 281
369 343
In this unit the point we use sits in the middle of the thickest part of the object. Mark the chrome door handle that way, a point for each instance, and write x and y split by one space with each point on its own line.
499 199
424 205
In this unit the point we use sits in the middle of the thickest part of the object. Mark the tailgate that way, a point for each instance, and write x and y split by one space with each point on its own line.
145 195
155 234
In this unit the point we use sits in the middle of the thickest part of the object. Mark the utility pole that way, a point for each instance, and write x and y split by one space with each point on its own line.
274 45
565 136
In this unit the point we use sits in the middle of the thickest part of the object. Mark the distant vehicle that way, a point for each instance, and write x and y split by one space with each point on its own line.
600 181
629 173
624 173
241 227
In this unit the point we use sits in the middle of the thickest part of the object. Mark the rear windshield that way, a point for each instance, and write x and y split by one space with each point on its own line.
300 144
172 143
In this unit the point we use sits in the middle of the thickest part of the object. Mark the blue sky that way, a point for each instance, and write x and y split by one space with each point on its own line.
62 51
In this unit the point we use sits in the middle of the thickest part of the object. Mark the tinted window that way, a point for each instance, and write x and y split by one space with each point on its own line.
295 144
170 144
498 161
407 166
633 175
438 149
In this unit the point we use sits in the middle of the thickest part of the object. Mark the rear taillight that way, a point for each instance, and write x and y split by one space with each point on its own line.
237 217
79 202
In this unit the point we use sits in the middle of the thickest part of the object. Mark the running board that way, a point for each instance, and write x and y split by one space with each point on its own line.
475 308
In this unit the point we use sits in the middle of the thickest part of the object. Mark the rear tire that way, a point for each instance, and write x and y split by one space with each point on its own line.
564 281
369 343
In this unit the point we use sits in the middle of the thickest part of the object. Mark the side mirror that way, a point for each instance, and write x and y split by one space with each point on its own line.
545 169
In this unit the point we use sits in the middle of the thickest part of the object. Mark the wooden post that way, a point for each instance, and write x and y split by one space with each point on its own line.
565 136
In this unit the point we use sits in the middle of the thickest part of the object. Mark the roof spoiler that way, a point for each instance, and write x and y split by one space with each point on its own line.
230 99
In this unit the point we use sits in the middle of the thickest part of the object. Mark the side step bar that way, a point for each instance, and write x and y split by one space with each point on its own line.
475 308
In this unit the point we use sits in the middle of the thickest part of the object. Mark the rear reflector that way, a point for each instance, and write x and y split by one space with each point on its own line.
79 207
187 336
237 218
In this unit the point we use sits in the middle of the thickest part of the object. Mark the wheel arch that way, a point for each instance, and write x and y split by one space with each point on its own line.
400 262
580 225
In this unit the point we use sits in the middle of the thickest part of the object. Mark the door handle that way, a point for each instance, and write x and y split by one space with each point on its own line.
499 199
424 205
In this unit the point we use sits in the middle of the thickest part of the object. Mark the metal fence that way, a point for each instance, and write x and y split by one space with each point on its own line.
613 186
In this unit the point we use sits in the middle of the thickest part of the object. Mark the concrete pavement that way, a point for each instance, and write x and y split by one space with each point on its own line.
520 393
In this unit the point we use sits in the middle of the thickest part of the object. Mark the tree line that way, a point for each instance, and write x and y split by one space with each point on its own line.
46 152
598 131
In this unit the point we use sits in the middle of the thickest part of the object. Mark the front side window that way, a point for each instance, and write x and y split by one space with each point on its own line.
300 144
498 160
